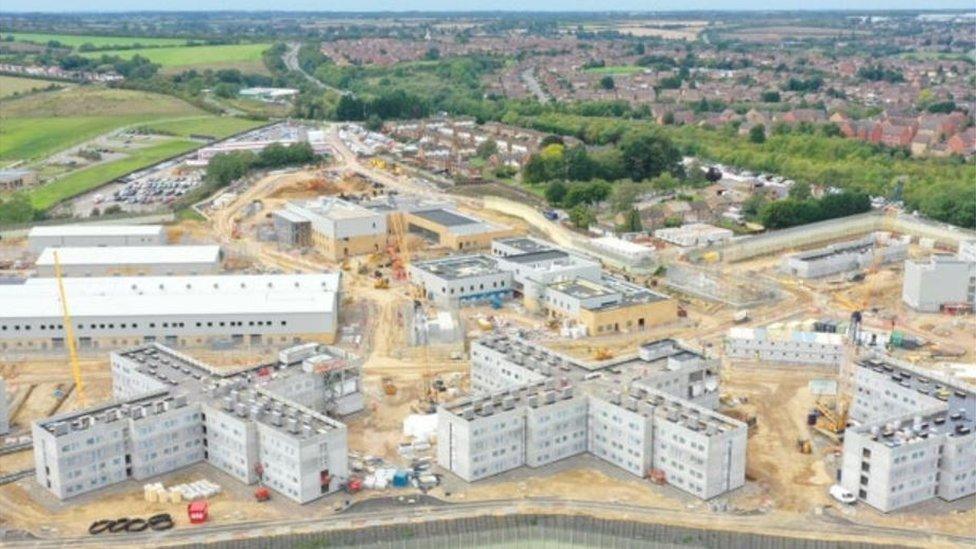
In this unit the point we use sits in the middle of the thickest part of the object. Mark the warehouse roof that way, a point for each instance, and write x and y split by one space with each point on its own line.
95 230
763 334
134 255
188 296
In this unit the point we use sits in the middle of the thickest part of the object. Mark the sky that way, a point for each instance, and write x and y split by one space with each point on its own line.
475 5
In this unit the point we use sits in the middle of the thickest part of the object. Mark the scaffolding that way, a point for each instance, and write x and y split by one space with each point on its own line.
713 285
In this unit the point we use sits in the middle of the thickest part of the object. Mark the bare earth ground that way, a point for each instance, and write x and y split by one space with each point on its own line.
784 489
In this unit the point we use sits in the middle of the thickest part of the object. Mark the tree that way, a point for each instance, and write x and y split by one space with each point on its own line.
757 134
647 153
800 191
771 96
624 195
607 82
226 167
432 54
16 209
752 205
582 216
487 149
556 192
632 222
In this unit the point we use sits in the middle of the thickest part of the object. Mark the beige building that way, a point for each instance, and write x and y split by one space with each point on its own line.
454 230
340 228
608 306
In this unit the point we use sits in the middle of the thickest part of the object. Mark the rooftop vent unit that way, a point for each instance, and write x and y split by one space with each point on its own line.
241 409
228 403
292 425
487 409
508 403
534 401
138 413
306 430
567 393
276 418
550 396
60 428
467 413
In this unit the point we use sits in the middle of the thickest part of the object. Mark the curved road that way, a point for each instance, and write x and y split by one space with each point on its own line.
291 61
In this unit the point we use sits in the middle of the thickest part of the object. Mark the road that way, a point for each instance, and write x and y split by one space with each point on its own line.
822 528
528 77
291 61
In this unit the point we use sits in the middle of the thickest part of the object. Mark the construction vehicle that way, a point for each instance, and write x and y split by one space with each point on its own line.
261 493
69 332
603 353
485 324
831 422
804 446
198 511
388 387
381 283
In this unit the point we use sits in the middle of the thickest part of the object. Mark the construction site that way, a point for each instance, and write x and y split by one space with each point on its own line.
417 363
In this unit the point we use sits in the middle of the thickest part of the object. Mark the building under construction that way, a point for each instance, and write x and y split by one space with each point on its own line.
914 437
269 423
722 287
873 250
650 414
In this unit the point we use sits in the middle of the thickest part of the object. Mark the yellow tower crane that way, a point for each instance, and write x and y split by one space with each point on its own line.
69 332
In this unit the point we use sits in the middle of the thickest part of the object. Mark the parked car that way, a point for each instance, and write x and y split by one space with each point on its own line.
841 494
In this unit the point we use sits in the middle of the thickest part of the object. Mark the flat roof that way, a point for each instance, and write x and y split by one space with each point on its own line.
526 244
533 257
446 218
129 255
581 288
172 295
336 208
95 230
457 267
797 336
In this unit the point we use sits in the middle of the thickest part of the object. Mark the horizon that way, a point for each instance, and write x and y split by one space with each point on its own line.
376 7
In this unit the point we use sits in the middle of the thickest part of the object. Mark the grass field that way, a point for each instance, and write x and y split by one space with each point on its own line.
10 85
75 40
615 69
48 195
38 125
213 126
242 56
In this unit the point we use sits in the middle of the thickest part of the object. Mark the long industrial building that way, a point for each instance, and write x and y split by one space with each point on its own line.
58 236
649 414
130 260
873 250
183 311
172 411
913 439
779 344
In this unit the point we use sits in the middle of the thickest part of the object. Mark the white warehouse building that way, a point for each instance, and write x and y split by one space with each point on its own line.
694 234
784 345
130 260
113 312
459 280
58 236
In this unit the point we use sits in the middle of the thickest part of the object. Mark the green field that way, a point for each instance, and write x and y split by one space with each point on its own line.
39 125
213 126
75 40
241 56
615 69
10 85
78 182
